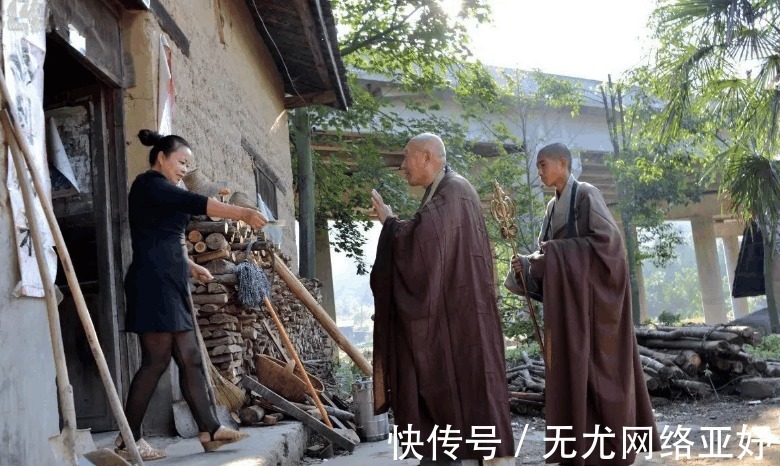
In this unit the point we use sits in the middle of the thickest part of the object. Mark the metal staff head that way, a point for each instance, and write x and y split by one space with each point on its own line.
503 209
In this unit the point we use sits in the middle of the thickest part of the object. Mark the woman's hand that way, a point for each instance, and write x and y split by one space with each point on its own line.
200 273
253 218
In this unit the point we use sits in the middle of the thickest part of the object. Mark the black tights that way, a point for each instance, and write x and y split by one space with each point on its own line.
156 349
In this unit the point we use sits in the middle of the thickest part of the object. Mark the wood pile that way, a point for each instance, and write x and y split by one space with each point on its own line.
689 361
697 359
234 334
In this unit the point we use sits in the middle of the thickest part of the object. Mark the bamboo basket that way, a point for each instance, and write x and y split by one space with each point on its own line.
274 374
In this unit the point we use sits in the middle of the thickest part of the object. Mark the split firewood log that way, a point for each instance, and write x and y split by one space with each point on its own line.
217 242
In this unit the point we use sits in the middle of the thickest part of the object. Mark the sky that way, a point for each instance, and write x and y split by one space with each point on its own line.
585 39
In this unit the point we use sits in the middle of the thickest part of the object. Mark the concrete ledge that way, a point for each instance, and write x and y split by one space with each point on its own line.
281 445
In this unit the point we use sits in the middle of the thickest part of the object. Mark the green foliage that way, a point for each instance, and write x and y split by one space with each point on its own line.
717 69
769 348
678 294
669 318
412 41
418 48
514 139
346 373
651 174
514 355
659 243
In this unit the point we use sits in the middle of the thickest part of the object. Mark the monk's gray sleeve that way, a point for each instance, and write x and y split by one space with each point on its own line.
511 281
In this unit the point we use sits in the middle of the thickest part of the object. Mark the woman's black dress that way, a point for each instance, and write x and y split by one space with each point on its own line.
156 284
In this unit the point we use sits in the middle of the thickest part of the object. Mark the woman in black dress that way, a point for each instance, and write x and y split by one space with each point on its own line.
157 288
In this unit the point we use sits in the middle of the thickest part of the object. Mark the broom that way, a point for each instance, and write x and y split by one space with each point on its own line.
221 390
253 291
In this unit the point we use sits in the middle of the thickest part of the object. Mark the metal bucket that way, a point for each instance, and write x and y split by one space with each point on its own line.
370 428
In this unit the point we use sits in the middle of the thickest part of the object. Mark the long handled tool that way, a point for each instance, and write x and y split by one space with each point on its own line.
72 443
253 288
223 395
322 317
19 144
503 210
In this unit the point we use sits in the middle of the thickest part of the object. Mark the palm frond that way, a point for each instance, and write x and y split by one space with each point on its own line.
752 182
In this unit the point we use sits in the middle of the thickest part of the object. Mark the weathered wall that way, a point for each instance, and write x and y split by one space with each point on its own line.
224 92
28 395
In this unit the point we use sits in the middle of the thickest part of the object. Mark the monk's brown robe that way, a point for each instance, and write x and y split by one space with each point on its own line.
594 375
438 343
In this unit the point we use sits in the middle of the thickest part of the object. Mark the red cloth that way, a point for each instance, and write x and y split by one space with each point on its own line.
593 375
438 341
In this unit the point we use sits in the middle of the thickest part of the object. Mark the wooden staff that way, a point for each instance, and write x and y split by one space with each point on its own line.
503 210
305 376
322 317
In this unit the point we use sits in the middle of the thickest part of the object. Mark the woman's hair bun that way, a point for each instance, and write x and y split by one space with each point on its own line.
149 137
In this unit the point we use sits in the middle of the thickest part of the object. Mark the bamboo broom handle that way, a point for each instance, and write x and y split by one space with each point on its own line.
14 132
204 355
64 389
289 345
322 317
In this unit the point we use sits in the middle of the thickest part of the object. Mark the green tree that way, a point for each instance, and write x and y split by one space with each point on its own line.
506 109
718 63
417 47
650 175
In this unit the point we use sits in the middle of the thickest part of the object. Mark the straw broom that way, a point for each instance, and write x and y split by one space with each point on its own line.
221 390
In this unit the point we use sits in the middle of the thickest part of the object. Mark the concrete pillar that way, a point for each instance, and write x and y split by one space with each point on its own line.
707 263
731 247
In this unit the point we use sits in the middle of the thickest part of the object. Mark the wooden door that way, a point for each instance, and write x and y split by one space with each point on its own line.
85 217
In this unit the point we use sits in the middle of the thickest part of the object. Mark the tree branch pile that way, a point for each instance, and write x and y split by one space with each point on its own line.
695 361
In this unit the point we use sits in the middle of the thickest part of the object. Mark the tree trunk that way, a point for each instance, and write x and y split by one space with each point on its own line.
769 283
629 231
307 248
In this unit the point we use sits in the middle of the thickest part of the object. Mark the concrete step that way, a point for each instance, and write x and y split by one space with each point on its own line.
281 445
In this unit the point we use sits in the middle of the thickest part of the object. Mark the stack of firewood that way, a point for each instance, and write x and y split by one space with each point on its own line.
690 360
697 358
234 334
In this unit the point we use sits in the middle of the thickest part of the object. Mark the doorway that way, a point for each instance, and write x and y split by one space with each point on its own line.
80 112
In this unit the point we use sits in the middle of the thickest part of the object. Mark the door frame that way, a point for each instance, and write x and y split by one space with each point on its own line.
110 211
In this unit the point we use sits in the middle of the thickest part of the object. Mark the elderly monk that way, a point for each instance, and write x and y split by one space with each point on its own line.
438 341
593 376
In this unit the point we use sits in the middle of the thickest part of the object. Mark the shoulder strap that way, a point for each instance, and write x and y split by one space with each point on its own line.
548 218
571 223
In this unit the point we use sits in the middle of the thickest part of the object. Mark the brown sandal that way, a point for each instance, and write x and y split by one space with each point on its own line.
148 452
222 436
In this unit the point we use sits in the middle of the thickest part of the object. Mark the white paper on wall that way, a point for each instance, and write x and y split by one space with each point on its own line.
24 49
165 89
58 156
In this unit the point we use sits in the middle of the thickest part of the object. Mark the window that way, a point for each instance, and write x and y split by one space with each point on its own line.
266 189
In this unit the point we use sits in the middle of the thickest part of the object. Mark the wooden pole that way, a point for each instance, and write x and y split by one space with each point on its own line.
304 375
64 389
14 134
322 317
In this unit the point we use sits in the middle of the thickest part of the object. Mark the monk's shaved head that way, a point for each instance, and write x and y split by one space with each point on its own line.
431 143
556 151
424 157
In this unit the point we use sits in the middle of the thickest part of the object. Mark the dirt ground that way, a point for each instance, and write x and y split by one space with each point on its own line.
762 421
